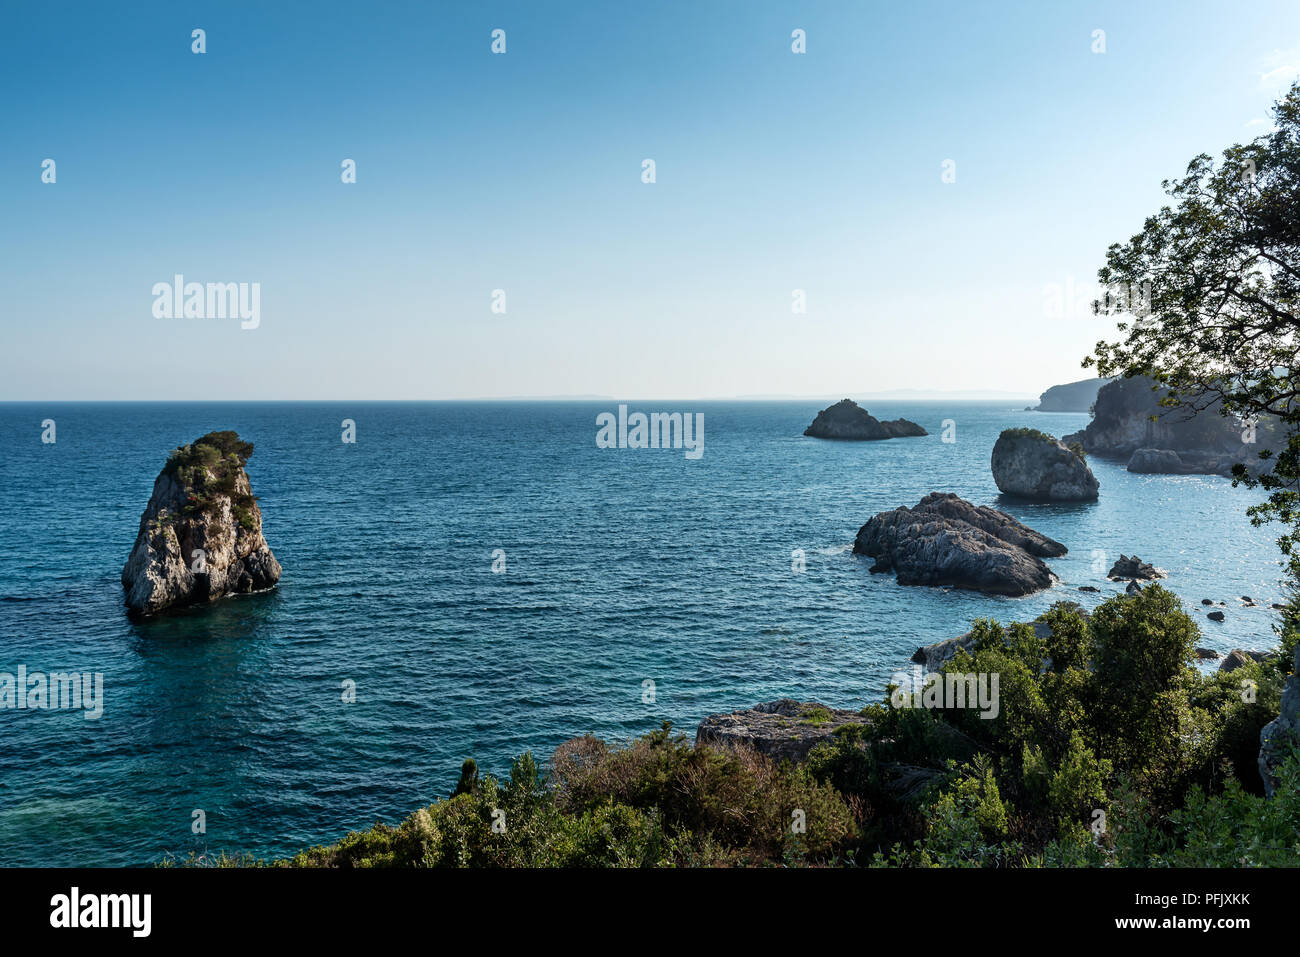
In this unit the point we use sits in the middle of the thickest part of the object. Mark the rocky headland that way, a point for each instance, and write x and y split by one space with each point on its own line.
200 536
945 540
1071 396
1030 464
846 420
1129 422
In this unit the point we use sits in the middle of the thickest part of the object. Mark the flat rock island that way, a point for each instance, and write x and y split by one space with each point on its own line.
846 420
200 536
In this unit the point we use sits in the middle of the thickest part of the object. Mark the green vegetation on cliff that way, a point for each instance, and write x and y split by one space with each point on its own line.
209 468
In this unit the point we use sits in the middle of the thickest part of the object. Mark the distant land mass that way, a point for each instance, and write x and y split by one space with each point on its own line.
1071 397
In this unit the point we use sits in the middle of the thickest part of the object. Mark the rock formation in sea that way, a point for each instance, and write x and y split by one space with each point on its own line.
1174 442
783 730
1071 396
200 536
945 540
1031 464
1128 569
847 420
1281 734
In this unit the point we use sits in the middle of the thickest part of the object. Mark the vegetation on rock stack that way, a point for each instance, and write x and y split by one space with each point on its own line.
210 467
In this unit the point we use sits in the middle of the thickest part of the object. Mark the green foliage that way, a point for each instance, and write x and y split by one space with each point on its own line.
1108 750
1219 270
209 470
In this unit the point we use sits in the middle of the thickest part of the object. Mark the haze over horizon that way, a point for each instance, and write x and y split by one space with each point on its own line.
820 171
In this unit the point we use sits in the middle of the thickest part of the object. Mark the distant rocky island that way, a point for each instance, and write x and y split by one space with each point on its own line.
846 420
1071 396
200 536
1031 464
1129 422
945 540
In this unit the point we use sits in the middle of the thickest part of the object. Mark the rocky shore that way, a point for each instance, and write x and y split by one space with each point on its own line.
1129 422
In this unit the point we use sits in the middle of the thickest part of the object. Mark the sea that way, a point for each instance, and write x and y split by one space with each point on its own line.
480 579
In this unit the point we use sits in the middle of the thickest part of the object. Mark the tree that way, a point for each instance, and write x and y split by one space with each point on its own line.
1212 283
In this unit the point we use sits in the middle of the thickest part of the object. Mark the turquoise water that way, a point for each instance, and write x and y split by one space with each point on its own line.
621 566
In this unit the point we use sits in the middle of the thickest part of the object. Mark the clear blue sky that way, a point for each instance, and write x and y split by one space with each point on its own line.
522 171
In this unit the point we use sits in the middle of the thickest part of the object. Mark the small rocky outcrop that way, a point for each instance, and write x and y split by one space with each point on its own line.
848 421
783 730
1031 464
1207 654
1217 616
1133 568
200 536
1280 735
945 540
1238 657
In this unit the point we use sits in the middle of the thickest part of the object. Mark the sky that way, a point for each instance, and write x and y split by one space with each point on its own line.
522 172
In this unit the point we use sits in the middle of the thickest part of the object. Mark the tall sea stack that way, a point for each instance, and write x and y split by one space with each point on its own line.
200 536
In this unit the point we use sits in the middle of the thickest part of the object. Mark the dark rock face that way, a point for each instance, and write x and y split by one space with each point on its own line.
1237 657
1032 464
1218 616
782 730
1283 732
945 540
1176 442
849 421
1131 568
1207 654
200 536
1071 397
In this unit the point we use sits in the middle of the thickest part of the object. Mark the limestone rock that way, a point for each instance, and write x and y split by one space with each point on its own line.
945 540
1133 568
783 730
200 536
1031 464
847 420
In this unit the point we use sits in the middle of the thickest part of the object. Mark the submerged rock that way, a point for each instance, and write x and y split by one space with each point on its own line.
1132 568
783 730
1281 734
200 536
1216 616
945 540
847 420
1032 464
